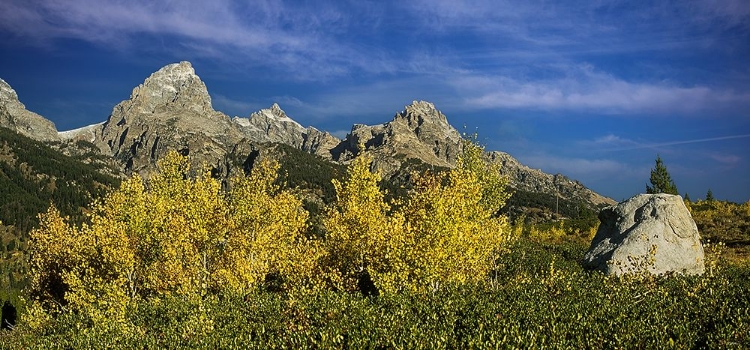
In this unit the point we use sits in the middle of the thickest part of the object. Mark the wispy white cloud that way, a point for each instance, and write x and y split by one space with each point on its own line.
298 39
550 23
610 140
576 167
728 160
726 13
585 89
110 22
616 143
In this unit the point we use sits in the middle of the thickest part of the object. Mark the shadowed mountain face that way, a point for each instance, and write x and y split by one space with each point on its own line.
172 110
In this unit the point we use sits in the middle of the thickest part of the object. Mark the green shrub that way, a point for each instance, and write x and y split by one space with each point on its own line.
539 297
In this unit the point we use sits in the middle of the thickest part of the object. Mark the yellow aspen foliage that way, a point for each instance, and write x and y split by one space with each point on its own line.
453 224
359 231
177 235
446 231
67 270
57 248
173 235
553 233
266 235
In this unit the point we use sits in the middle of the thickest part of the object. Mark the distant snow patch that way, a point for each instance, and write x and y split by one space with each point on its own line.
89 130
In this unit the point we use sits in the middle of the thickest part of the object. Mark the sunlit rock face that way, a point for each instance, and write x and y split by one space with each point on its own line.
649 232
14 116
273 125
170 110
420 131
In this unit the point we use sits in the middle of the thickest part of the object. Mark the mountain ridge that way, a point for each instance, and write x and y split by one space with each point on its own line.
172 109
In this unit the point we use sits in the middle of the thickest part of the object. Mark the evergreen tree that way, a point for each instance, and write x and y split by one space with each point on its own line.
687 197
710 196
661 181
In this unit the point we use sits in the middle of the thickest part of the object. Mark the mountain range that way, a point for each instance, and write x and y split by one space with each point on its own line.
172 110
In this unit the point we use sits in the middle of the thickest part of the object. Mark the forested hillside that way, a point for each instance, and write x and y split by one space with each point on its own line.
33 176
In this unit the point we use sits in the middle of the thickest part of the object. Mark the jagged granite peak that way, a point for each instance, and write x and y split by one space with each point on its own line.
15 116
273 125
274 115
7 93
431 127
420 112
170 110
419 131
173 86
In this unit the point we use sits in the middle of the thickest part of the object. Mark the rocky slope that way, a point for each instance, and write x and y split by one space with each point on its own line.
418 132
14 116
534 180
422 134
172 110
272 125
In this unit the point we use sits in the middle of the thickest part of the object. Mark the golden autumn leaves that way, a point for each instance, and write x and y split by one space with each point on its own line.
176 235
445 231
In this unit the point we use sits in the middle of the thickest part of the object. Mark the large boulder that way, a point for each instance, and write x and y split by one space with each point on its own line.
649 232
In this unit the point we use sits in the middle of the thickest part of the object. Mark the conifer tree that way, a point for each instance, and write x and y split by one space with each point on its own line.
661 181
710 195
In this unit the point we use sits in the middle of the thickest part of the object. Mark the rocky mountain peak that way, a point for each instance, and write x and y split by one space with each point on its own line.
7 93
14 116
274 115
420 131
175 86
421 120
171 109
272 125
420 112
276 109
427 122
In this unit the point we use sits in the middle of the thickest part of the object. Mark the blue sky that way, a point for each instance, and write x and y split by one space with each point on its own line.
591 89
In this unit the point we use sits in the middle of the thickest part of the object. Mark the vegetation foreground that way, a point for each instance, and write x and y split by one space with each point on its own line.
540 297
183 262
